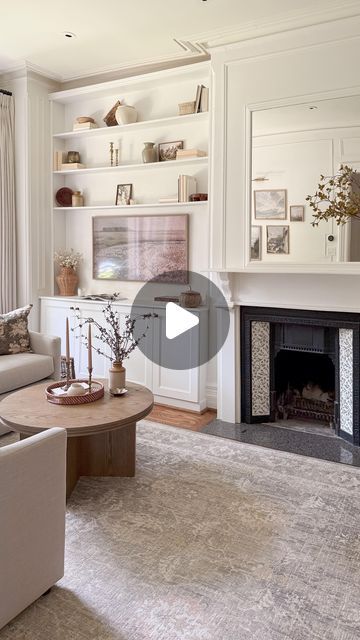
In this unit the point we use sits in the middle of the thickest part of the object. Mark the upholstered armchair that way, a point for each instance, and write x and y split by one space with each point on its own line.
20 369
32 519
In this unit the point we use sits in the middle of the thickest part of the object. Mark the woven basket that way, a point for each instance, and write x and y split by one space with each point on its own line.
185 108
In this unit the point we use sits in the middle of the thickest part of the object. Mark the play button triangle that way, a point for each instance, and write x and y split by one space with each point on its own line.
178 320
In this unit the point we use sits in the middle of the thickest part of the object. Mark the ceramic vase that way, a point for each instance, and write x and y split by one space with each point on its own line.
149 153
125 114
67 281
117 374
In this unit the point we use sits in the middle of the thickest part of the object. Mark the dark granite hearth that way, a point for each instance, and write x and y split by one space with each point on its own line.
313 445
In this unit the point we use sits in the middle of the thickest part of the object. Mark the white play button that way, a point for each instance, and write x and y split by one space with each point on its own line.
178 320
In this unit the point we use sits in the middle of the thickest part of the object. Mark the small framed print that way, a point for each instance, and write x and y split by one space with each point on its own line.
270 204
123 194
168 150
297 213
277 239
255 243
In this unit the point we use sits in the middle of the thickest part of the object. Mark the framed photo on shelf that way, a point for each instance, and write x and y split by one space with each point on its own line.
277 239
123 194
297 213
168 150
141 248
255 243
270 204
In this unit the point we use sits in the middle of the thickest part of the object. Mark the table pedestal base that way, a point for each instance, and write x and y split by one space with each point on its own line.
111 453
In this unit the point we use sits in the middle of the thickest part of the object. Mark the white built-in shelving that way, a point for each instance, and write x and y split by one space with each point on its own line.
136 166
129 208
156 97
135 126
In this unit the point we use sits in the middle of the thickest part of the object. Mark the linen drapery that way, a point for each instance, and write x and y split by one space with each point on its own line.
7 206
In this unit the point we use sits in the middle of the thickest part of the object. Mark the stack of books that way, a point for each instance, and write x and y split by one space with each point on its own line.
83 126
190 153
59 159
202 98
186 186
70 166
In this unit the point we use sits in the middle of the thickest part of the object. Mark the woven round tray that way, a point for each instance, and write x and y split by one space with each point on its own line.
97 392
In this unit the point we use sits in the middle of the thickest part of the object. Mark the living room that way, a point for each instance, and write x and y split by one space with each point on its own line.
179 336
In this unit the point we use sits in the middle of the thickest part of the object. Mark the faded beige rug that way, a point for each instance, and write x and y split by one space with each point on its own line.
213 540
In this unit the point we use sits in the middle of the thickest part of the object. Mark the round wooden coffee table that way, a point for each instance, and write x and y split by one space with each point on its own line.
101 435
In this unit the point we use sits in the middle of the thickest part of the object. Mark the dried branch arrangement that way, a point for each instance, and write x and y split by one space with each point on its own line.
336 197
121 342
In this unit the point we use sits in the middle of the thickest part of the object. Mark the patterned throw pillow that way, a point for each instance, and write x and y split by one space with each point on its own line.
14 333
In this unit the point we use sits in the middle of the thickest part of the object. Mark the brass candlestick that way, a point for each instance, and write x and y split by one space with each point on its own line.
116 157
90 370
111 154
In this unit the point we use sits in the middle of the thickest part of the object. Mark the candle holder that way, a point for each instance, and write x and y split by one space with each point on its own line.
111 154
90 370
68 376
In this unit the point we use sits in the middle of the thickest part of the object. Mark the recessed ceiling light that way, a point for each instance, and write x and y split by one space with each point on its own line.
69 34
313 107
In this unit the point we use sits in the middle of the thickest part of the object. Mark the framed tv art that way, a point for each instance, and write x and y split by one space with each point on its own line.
141 248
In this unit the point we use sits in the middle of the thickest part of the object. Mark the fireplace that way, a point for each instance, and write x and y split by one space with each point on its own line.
301 365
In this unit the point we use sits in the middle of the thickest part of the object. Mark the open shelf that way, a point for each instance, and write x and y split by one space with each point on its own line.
136 167
156 205
128 128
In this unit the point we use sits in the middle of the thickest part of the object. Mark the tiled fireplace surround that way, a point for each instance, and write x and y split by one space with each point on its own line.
257 347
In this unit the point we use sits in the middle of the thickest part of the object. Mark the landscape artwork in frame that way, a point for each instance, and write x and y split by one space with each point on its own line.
297 213
141 248
168 150
270 204
277 239
255 243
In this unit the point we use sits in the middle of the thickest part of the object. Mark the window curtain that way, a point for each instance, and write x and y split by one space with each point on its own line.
7 206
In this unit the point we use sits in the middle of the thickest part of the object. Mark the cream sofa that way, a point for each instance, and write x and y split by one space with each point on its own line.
21 369
32 519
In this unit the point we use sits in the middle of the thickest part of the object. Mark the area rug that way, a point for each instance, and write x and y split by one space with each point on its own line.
212 540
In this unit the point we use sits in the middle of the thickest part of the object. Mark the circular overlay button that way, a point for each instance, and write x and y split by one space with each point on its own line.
174 334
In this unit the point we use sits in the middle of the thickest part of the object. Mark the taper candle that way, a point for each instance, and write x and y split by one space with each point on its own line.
67 341
89 348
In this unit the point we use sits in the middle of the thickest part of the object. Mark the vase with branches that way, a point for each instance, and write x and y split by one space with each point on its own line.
120 340
337 197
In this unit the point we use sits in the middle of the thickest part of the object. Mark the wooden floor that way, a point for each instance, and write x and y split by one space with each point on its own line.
180 418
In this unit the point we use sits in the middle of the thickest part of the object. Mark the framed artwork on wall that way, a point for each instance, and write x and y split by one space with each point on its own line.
297 213
141 248
270 204
123 194
277 239
255 243
168 150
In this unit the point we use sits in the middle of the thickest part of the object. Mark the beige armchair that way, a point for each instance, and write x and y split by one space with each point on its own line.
21 369
32 519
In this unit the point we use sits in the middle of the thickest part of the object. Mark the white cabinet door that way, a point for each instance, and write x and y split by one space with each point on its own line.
172 383
53 321
138 367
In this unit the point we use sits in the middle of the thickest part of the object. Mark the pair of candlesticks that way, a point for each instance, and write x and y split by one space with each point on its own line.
67 360
67 385
112 155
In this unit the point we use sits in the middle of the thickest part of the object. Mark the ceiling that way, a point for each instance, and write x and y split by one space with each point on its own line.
319 114
116 33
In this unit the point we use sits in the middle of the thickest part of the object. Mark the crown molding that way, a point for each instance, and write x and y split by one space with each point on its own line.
136 68
208 40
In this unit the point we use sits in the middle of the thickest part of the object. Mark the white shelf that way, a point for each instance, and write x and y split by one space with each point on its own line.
136 167
129 128
156 205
